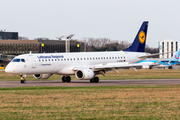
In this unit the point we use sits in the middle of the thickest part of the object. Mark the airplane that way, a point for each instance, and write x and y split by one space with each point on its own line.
84 65
161 63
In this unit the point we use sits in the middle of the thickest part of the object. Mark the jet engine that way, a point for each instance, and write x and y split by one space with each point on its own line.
84 74
42 76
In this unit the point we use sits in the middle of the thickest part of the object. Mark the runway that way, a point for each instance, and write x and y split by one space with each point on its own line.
85 83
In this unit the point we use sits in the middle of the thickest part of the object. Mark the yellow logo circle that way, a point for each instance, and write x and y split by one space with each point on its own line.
142 37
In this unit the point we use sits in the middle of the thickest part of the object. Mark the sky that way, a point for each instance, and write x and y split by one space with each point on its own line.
113 19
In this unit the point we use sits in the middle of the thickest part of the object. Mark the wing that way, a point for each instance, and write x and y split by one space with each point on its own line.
121 66
151 55
110 67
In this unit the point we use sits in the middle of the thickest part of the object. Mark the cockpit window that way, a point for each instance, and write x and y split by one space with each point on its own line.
16 60
22 60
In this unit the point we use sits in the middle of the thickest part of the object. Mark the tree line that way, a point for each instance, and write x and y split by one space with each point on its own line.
105 44
101 44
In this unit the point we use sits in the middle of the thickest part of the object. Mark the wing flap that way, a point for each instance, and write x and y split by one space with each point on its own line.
116 66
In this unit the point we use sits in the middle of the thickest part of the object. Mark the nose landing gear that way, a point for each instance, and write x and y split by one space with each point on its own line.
23 78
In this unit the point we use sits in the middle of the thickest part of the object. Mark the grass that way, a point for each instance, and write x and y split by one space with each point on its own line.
123 74
101 103
119 102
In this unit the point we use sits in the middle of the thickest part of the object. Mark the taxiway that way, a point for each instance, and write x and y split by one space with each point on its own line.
84 83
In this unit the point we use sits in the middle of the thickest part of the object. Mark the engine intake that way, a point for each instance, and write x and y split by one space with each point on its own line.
42 76
84 74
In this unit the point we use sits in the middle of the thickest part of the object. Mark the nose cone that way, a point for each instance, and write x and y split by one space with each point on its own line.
8 69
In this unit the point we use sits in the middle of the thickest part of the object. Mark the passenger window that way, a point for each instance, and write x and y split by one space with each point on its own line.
106 57
49 60
81 58
39 60
74 58
118 57
71 58
84 58
64 59
87 58
77 58
109 57
115 57
61 59
52 59
112 57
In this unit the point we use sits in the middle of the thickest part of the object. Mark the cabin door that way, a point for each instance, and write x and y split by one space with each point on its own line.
34 62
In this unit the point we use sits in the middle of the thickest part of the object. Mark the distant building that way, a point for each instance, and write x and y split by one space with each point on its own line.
8 35
5 59
168 45
17 47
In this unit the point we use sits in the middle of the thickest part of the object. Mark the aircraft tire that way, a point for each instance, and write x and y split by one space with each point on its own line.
68 79
96 79
63 79
92 80
23 81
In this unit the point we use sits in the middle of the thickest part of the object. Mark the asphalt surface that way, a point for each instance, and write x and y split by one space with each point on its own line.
84 83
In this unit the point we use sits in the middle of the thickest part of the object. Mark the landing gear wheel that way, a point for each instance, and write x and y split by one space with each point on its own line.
23 81
23 78
68 79
92 80
63 79
96 79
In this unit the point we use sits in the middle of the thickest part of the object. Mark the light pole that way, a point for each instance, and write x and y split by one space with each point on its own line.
67 49
84 43
68 42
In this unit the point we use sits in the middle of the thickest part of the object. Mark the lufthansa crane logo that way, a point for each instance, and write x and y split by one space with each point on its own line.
142 37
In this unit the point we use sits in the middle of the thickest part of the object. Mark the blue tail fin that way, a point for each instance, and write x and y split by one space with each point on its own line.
176 56
140 40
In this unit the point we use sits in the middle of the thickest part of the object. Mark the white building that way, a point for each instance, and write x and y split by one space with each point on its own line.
168 45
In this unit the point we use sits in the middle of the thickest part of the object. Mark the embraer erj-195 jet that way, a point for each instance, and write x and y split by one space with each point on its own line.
85 65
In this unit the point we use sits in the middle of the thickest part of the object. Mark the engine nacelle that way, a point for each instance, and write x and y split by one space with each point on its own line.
42 76
84 74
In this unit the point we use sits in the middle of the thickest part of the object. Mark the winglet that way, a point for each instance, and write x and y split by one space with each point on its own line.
140 40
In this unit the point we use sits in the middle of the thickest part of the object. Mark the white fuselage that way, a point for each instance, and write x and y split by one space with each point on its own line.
64 63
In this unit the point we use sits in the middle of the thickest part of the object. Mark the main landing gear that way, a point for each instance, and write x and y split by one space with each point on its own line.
66 79
95 79
23 78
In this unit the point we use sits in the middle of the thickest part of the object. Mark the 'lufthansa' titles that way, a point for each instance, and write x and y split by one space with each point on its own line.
50 56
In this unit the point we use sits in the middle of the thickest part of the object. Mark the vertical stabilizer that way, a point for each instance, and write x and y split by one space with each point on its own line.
176 56
140 40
